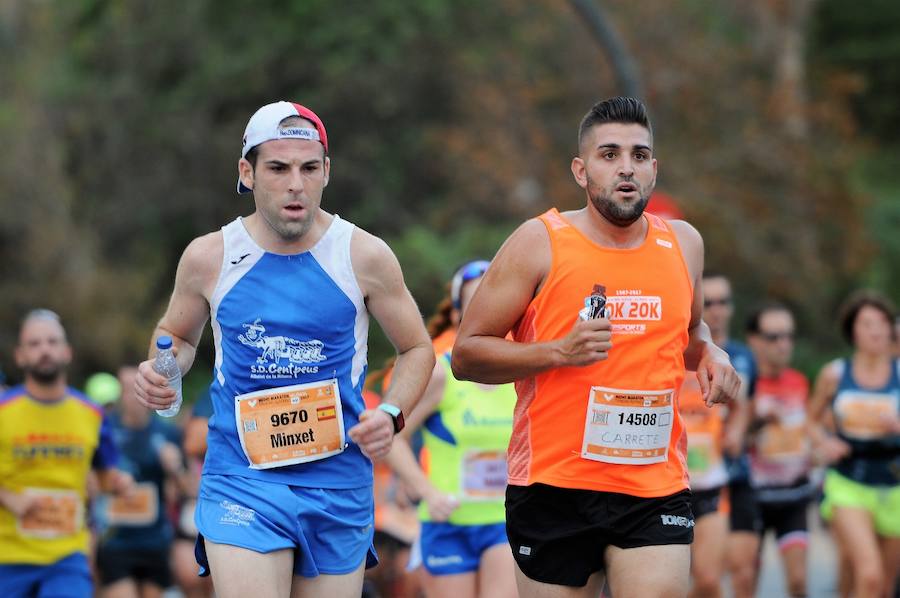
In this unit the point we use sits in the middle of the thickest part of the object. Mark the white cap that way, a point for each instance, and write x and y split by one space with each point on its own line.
264 126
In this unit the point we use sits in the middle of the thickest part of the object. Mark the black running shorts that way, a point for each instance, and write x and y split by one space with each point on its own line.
745 516
704 502
560 535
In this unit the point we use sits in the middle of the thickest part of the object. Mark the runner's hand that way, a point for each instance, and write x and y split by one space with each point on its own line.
732 442
404 495
719 382
588 342
170 459
374 433
152 389
440 505
831 449
19 503
121 483
891 423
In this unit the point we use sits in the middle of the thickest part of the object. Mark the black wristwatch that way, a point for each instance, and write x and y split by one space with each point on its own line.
396 415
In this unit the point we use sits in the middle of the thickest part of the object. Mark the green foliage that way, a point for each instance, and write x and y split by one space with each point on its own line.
450 122
429 259
879 175
861 39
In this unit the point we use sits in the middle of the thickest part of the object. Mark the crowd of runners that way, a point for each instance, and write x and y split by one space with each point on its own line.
574 420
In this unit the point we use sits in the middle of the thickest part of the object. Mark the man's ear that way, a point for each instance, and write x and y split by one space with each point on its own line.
579 172
245 173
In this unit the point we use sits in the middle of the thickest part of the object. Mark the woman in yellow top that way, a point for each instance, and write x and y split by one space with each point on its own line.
466 429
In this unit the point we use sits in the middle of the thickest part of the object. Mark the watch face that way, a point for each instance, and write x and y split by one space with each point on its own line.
396 415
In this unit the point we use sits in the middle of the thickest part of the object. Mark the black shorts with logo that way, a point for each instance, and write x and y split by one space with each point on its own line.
560 535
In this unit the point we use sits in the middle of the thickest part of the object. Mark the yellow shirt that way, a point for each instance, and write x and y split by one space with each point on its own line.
47 449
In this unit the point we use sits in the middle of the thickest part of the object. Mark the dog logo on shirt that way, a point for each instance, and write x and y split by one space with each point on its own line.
281 356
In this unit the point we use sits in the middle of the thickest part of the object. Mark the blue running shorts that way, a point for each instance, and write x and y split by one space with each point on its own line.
330 530
69 577
448 549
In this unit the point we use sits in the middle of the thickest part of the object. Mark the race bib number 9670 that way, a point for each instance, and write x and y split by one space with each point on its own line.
291 424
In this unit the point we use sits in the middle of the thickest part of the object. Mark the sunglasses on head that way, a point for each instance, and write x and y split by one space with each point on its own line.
468 271
771 337
721 302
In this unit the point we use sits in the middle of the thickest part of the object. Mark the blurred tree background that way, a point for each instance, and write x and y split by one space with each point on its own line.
777 130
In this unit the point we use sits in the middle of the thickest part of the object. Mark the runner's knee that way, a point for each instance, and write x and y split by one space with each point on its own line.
706 583
869 580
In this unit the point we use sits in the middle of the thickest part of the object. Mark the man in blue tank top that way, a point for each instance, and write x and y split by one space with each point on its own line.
744 519
285 504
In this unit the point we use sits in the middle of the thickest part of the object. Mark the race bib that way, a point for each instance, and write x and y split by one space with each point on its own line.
782 441
58 513
628 427
141 507
863 415
291 424
484 475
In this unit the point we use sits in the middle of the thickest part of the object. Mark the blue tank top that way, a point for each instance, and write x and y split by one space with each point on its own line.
875 456
281 320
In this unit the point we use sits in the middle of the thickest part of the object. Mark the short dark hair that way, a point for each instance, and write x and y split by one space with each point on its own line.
756 314
615 110
858 300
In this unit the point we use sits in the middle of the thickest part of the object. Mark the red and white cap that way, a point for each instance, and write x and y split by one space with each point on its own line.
264 126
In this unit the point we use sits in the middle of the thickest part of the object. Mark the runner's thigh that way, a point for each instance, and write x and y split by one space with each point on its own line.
348 585
239 572
660 571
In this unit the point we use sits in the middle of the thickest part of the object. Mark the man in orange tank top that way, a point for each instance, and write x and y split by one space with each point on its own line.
605 308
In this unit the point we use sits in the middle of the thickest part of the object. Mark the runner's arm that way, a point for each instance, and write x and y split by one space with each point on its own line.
737 422
115 481
825 444
17 503
403 461
104 463
483 352
196 431
718 380
393 307
185 316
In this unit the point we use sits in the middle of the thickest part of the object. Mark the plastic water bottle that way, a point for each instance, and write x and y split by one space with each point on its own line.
166 365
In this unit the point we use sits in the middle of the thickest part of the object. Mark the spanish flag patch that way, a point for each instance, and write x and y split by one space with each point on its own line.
323 413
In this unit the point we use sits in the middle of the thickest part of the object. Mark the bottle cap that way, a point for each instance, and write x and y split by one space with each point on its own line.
164 342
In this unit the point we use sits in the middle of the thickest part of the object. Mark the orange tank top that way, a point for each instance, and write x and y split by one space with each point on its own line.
704 426
612 426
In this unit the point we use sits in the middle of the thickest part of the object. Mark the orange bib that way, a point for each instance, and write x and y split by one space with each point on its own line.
58 513
290 424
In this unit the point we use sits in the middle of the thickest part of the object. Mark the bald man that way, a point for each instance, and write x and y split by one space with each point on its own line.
51 436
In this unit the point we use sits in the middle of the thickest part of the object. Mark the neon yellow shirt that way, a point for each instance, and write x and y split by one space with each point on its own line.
466 438
47 449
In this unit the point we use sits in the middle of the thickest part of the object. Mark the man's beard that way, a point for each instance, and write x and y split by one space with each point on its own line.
45 375
289 231
617 214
